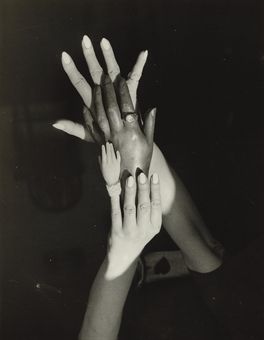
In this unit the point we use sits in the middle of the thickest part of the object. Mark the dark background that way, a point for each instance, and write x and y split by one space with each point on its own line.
204 76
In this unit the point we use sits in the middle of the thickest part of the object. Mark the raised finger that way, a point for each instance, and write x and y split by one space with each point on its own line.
149 125
143 208
129 203
156 212
95 68
111 105
113 69
100 114
77 79
135 75
125 101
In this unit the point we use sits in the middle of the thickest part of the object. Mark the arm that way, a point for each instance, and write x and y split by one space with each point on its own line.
129 234
182 219
105 305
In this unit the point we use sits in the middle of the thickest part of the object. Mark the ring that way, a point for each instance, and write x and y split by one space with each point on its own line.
130 116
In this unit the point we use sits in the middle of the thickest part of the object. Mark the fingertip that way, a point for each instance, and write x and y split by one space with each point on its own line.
86 42
130 182
153 112
105 44
142 179
65 57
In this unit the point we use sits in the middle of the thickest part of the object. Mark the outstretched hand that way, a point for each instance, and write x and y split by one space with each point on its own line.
138 224
109 112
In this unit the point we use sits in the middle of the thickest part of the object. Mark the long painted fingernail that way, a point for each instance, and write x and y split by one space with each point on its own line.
59 126
66 58
142 178
105 44
155 178
86 41
130 181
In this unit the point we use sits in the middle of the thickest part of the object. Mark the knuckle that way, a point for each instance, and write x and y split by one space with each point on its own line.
79 82
134 76
156 203
96 72
113 72
111 109
144 207
129 209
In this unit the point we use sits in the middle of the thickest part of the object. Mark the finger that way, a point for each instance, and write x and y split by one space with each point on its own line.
135 75
77 79
73 129
118 156
125 101
156 213
143 208
129 203
113 69
100 161
149 126
104 157
116 215
95 68
100 114
108 151
113 155
111 105
92 127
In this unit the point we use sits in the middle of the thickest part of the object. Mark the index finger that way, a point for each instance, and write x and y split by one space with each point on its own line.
111 105
77 80
116 215
95 68
113 69
126 104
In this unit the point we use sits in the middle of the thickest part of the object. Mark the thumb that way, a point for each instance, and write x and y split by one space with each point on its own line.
74 129
149 125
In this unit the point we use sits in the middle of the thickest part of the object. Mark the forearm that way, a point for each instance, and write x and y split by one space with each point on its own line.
181 218
105 305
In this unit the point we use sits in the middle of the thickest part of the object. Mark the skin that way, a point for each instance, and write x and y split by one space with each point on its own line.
133 226
109 112
181 218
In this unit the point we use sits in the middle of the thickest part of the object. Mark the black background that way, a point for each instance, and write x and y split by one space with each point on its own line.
204 76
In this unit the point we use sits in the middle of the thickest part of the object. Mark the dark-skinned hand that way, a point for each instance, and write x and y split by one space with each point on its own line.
109 112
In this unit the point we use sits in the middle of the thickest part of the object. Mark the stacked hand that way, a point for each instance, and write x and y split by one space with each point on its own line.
110 113
134 226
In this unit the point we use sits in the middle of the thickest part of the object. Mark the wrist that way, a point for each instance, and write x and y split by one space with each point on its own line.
117 266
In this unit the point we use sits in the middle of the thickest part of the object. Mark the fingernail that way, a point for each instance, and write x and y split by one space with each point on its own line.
105 44
155 178
130 181
66 58
153 112
142 178
146 54
59 126
86 41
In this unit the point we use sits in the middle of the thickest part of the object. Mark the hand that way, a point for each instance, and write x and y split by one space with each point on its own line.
88 131
110 164
105 120
119 123
130 233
